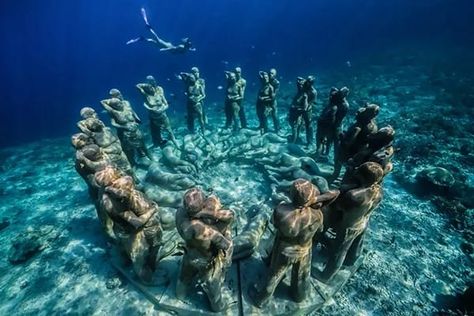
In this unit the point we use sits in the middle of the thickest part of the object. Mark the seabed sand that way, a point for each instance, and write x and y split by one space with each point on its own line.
414 253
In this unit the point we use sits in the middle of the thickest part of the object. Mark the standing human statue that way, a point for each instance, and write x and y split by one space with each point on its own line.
349 215
329 124
265 98
156 104
136 222
233 100
243 84
205 227
301 109
195 94
296 224
276 87
126 121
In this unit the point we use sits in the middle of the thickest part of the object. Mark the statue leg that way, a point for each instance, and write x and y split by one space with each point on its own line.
278 267
201 117
228 114
155 131
276 122
213 288
190 117
260 115
355 250
307 123
344 239
235 115
300 276
242 117
186 276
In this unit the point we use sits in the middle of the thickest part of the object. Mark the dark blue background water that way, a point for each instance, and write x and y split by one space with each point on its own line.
57 56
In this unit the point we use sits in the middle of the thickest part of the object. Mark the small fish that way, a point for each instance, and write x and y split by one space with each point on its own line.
236 179
220 87
274 53
168 79
252 46
225 62
348 64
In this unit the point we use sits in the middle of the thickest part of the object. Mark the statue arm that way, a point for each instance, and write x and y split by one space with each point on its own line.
327 198
137 221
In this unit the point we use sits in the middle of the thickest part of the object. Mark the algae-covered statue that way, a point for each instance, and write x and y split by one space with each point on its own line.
157 105
349 215
136 222
103 137
265 99
243 84
233 98
355 138
330 121
296 224
301 109
272 74
379 149
205 227
195 93
125 120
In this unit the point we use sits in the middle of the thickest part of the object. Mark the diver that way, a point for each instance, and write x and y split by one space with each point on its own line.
183 47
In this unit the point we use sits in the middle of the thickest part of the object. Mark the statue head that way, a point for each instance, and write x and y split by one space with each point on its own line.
115 93
151 80
193 201
303 192
264 78
367 113
369 173
272 73
87 112
382 137
195 72
79 140
92 152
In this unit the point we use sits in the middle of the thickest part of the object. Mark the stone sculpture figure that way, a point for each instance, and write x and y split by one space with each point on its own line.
195 93
330 121
302 108
296 224
136 222
349 215
265 100
355 138
124 119
274 107
243 84
103 137
156 104
233 98
205 227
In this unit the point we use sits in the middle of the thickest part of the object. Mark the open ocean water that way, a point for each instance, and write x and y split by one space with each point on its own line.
412 58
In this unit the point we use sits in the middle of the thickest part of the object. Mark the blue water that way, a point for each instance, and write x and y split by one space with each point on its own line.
57 56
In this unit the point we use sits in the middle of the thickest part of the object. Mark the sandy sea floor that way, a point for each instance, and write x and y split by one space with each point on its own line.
415 251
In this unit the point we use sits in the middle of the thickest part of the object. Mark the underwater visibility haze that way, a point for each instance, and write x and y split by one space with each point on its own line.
182 157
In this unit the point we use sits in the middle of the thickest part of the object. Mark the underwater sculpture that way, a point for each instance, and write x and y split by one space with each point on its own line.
195 94
181 48
243 84
296 224
301 109
379 149
233 99
330 120
171 157
136 222
156 104
349 216
205 227
265 102
272 74
103 137
125 120
355 138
